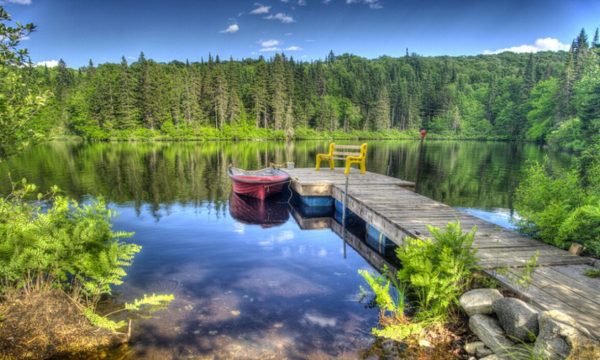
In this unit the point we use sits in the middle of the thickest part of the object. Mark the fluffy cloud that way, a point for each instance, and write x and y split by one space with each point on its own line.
293 48
19 2
231 29
373 4
542 44
269 43
48 63
260 9
284 18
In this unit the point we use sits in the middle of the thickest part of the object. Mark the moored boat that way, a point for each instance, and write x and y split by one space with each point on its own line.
259 183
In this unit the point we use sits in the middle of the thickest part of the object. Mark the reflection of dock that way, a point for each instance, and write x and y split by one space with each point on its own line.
389 205
373 257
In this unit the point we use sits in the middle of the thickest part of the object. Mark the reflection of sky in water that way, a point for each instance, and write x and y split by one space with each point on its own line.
243 289
501 217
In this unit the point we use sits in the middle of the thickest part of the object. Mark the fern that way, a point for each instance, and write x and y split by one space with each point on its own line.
153 302
102 321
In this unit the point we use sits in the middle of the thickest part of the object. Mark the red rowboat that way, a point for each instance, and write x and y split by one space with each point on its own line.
259 183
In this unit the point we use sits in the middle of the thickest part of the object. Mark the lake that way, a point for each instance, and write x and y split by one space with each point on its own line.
250 290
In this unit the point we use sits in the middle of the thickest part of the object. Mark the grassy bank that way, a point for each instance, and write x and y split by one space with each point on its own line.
249 132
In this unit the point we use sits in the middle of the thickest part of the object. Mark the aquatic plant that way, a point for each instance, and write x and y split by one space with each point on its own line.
435 271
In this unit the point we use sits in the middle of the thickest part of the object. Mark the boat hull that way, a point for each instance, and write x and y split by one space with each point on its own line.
258 184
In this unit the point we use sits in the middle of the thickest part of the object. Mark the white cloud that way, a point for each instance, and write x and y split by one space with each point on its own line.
326 2
231 29
301 2
269 43
48 63
293 48
373 4
270 49
260 9
19 2
542 44
284 18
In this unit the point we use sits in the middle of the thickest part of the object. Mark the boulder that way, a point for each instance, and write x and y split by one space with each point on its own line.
518 319
479 301
489 331
477 348
483 352
492 357
558 334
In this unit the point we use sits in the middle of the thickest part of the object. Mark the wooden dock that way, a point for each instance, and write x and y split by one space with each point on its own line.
392 207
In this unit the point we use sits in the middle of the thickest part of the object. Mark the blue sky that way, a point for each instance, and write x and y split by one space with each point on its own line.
105 30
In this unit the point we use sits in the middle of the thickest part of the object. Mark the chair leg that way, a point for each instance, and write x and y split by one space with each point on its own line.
347 169
363 166
331 164
318 163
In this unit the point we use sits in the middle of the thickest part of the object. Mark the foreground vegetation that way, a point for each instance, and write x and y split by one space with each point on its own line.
434 273
54 244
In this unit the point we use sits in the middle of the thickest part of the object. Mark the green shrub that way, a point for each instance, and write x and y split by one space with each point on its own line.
561 208
545 202
437 270
583 226
56 242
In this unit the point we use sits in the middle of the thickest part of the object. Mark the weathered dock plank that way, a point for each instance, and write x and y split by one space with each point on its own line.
392 207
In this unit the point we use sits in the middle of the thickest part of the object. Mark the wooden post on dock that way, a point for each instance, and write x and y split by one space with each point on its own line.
344 213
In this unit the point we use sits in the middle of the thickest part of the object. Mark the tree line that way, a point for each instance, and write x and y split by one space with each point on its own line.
512 96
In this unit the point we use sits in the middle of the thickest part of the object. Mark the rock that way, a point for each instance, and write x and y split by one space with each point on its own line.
576 249
425 343
483 352
479 301
558 334
471 348
489 331
492 357
518 319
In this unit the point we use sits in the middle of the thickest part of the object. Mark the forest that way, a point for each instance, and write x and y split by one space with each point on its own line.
504 96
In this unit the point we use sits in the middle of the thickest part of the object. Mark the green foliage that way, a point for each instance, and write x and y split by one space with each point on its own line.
102 321
438 270
568 136
593 273
56 242
400 332
387 303
152 302
559 208
541 102
10 37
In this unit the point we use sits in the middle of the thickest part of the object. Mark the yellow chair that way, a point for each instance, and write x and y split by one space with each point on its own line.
344 152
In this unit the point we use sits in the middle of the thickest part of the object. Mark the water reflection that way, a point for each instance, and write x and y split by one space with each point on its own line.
468 174
270 212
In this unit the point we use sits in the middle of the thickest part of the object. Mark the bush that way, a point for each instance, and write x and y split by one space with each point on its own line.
435 271
438 270
583 226
561 208
57 243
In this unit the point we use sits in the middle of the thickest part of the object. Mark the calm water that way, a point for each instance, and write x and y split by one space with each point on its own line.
245 290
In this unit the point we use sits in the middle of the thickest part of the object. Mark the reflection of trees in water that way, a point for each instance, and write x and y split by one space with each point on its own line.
481 174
